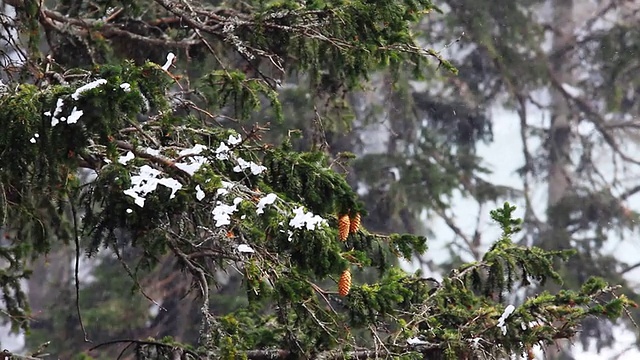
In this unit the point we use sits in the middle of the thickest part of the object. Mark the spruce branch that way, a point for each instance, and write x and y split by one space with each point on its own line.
56 21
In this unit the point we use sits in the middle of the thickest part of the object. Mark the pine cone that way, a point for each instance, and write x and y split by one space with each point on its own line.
344 284
343 227
355 223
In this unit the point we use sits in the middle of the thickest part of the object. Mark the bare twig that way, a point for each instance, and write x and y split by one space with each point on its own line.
133 277
76 237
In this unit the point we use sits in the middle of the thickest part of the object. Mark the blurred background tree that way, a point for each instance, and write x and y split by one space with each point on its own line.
562 73
558 75
564 70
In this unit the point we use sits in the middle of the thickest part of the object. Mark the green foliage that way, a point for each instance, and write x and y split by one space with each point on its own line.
357 37
406 245
177 193
305 177
222 87
527 261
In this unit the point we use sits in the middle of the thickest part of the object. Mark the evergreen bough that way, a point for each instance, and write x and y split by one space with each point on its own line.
88 184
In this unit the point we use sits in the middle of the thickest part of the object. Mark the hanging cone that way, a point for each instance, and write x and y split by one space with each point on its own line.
354 223
343 227
344 284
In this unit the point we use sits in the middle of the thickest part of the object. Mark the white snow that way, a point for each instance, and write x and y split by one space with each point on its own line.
507 311
56 112
267 200
572 90
199 193
75 115
222 212
152 151
192 164
308 219
234 140
243 164
195 150
244 248
226 186
416 341
170 57
84 88
222 152
126 158
147 181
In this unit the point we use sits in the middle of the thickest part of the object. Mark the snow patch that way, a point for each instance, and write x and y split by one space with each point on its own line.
244 248
84 88
306 219
170 57
267 200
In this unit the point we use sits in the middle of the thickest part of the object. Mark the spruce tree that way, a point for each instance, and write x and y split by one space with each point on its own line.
562 69
128 137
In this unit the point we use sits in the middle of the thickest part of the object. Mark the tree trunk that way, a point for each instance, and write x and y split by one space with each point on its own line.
561 117
559 145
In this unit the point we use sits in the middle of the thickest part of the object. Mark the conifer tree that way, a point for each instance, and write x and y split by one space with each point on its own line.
128 137
558 68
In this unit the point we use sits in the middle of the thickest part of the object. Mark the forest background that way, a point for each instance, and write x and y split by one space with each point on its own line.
542 112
